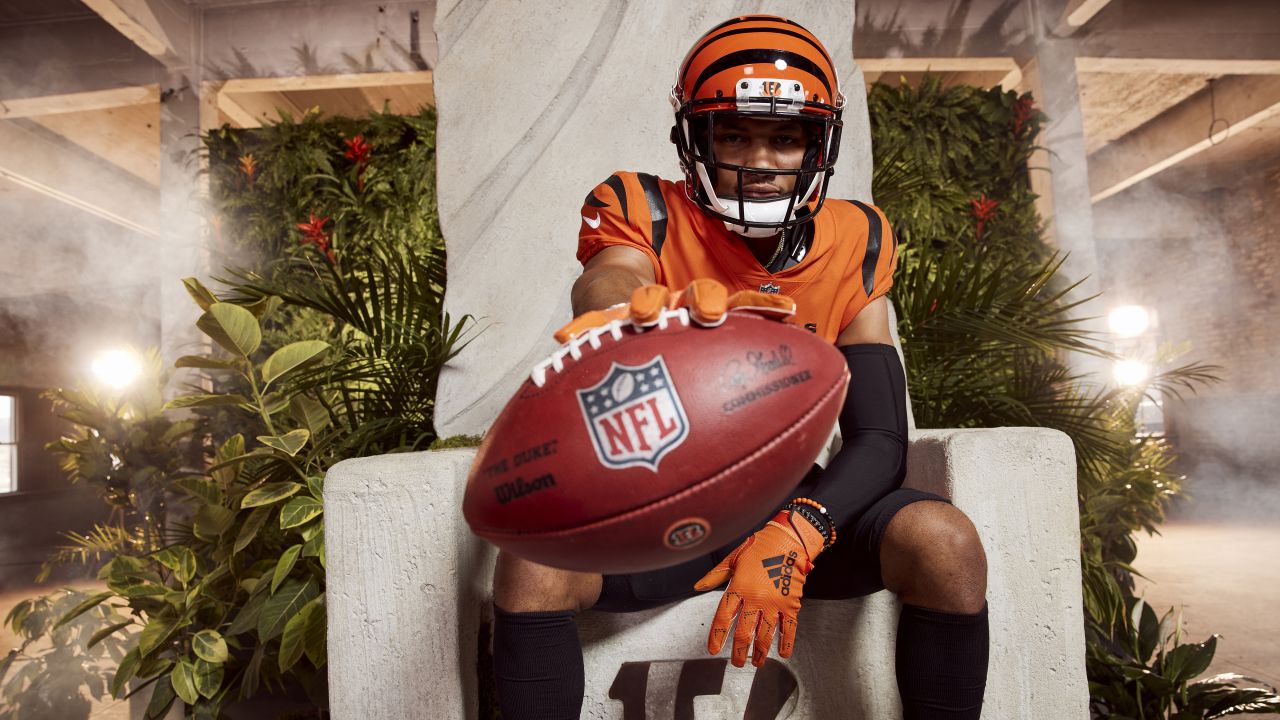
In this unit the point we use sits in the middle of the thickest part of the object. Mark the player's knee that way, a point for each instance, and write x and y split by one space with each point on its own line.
937 558
523 586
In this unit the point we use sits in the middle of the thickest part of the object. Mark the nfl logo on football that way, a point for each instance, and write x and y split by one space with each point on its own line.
634 415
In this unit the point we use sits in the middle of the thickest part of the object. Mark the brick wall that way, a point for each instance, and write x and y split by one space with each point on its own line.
1206 256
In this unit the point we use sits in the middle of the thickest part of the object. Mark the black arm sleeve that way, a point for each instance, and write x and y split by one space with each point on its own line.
872 461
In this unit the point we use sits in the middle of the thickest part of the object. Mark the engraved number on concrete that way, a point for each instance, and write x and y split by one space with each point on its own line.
665 689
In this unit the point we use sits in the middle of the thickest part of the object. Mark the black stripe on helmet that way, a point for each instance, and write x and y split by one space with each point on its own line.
620 190
746 57
872 255
657 211
780 31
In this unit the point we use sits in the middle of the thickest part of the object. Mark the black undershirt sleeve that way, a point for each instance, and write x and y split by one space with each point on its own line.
872 461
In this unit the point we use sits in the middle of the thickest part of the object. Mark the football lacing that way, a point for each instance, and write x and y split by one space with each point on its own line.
573 348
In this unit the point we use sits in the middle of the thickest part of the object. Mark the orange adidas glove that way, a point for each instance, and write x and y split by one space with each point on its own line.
766 579
707 300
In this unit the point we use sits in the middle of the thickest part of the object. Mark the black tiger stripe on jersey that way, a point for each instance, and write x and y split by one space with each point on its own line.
620 190
657 210
872 255
594 201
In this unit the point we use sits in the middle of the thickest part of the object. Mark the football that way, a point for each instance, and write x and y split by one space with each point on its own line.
631 450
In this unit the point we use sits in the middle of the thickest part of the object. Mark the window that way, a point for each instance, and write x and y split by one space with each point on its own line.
8 443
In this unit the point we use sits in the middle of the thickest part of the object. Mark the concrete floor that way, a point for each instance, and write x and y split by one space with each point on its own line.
1226 579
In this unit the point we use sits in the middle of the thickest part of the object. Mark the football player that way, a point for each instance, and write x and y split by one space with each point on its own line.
757 128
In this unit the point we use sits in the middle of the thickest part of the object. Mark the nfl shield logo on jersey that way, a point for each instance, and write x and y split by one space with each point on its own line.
770 288
634 415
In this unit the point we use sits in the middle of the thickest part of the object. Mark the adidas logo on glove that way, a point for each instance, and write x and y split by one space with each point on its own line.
780 569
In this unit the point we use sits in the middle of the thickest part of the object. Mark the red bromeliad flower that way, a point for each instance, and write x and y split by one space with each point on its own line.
984 209
1023 109
358 152
313 233
249 166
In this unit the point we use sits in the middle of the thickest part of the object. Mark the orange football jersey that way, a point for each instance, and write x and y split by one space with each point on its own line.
849 263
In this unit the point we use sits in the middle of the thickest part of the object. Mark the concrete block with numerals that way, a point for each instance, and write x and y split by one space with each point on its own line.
409 587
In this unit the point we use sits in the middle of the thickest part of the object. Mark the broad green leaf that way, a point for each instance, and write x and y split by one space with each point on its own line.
291 356
232 327
106 632
208 678
180 560
190 401
206 363
311 529
289 443
157 630
134 589
233 447
224 473
198 292
183 678
265 306
200 489
269 493
125 671
162 698
210 646
315 635
252 673
284 604
153 666
212 520
309 412
19 613
295 633
250 529
287 559
315 546
298 511
315 485
248 617
81 607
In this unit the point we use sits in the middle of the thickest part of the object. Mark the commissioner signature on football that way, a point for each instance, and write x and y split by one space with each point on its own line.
737 373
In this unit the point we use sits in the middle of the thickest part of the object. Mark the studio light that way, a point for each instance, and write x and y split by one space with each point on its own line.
1132 372
116 368
1129 320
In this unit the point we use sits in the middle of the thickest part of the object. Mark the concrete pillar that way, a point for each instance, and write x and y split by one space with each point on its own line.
537 104
1051 76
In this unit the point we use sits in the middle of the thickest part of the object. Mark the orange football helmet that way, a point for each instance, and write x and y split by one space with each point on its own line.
757 66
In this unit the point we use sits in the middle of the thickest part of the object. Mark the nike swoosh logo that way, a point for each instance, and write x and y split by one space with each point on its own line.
593 222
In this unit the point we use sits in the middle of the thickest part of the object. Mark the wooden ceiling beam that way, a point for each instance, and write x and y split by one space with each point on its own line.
35 161
251 110
326 82
1183 131
1176 66
79 102
161 28
1079 12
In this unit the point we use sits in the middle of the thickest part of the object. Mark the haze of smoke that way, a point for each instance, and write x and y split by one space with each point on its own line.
1164 245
